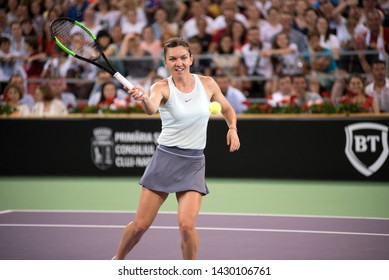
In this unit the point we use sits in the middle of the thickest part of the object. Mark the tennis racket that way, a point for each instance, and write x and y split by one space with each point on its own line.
78 41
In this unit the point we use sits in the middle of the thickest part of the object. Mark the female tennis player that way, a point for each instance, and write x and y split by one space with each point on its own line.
178 164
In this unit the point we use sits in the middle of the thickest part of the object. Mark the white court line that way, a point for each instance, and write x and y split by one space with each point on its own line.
200 228
5 212
201 214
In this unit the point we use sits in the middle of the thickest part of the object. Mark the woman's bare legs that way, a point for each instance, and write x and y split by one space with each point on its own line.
189 204
149 204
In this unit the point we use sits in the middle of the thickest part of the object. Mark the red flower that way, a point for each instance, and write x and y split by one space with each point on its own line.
368 102
264 107
325 94
81 104
5 97
284 101
246 102
351 93
109 100
293 98
345 99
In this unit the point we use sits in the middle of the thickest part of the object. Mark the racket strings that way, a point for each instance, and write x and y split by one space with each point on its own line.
76 39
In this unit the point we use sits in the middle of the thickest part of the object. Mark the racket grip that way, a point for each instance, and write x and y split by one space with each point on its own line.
123 80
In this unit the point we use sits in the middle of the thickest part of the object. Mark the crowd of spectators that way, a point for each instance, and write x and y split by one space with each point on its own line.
258 48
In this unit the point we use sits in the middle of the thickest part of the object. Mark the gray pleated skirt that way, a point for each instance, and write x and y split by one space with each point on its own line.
172 170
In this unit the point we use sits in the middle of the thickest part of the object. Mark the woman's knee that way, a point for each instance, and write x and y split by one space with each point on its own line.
187 228
139 227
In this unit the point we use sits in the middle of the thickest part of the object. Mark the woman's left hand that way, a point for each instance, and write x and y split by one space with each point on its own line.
233 140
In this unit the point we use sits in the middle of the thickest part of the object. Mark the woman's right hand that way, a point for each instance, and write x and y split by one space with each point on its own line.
137 93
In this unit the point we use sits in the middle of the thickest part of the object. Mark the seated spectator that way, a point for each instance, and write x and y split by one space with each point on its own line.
230 12
236 98
150 44
17 40
82 70
34 62
203 36
139 63
190 26
272 26
348 30
238 33
377 36
13 93
356 92
38 96
226 60
50 106
20 80
199 65
76 9
130 23
149 8
223 23
327 39
310 16
23 11
8 61
300 89
96 93
331 12
294 35
4 28
37 18
106 14
28 29
358 63
137 5
90 21
285 56
379 88
319 62
256 65
110 49
109 97
46 43
161 24
61 92
299 21
57 65
176 10
117 35
284 92
254 16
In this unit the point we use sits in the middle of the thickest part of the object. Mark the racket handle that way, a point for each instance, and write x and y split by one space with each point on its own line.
123 80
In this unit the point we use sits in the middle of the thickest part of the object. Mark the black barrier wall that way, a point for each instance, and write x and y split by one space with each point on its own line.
330 149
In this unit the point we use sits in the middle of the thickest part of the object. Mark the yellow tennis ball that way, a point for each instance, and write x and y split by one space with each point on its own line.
215 107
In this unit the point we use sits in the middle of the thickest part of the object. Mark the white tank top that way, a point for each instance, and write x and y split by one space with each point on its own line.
185 117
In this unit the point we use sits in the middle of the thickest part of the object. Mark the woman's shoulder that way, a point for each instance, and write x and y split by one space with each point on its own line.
161 85
207 81
204 79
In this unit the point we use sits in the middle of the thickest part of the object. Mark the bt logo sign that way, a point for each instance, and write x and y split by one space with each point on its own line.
367 146
365 143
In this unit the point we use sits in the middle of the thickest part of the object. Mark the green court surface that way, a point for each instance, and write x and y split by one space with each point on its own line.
249 196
